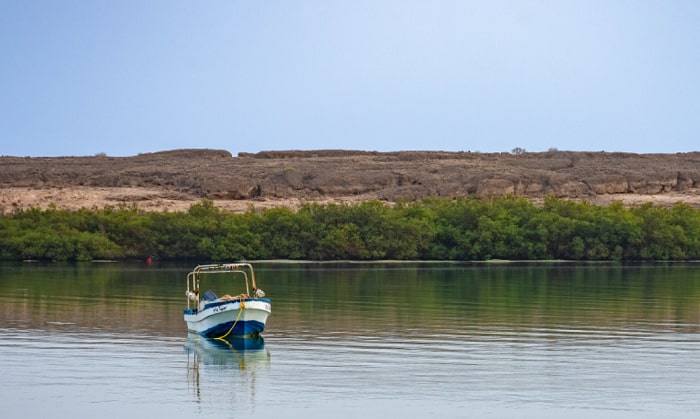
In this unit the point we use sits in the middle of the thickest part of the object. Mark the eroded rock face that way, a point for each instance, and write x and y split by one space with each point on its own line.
609 184
313 175
495 187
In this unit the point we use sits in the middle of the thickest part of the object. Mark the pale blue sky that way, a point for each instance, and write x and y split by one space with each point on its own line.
124 77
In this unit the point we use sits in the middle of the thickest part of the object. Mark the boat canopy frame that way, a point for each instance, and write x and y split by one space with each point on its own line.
195 277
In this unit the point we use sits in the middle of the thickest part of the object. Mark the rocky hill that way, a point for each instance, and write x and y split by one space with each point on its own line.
173 180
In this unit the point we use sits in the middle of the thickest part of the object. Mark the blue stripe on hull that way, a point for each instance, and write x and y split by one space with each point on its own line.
242 328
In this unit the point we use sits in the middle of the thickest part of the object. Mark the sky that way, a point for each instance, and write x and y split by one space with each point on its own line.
88 77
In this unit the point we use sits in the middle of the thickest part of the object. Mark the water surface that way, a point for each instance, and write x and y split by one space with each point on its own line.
457 340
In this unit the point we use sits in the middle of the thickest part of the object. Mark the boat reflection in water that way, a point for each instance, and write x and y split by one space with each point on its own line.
243 353
234 361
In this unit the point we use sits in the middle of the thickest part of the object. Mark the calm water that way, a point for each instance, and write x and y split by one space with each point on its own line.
406 340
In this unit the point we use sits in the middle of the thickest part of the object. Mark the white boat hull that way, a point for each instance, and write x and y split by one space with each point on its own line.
227 318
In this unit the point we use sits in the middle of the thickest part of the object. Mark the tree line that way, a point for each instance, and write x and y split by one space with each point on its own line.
433 229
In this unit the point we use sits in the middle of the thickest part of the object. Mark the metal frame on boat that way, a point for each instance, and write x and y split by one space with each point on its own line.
242 315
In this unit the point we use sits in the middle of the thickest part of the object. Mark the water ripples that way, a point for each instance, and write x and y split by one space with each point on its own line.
476 348
622 368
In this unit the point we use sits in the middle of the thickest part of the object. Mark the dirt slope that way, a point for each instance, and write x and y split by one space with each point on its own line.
173 180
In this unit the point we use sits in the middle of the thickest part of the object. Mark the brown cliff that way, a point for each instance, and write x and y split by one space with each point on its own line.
175 179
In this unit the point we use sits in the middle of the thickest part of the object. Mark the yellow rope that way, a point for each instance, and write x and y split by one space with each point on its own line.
234 323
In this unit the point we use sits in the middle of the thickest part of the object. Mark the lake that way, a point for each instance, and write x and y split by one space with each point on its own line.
498 340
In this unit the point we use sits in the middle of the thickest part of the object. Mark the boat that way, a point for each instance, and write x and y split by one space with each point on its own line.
227 316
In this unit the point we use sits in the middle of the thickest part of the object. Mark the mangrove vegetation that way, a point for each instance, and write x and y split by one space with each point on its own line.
433 229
